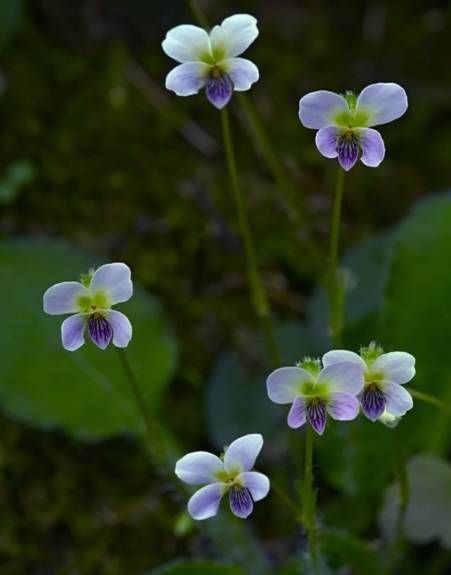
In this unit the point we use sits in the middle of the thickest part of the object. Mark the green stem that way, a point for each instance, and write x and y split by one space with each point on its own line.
336 295
430 399
257 288
198 14
309 501
156 437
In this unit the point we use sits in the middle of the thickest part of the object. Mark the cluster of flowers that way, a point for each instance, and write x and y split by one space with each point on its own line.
338 386
344 122
343 382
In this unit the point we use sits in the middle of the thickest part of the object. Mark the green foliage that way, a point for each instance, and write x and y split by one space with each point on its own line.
197 568
237 402
17 176
428 512
84 392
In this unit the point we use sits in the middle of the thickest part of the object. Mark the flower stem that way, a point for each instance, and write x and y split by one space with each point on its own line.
336 295
430 399
157 440
257 288
309 501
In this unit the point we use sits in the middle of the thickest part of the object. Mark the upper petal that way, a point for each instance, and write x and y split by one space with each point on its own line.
318 109
187 79
326 140
340 355
396 366
383 102
283 384
205 502
242 453
344 376
62 298
372 145
343 406
121 326
198 467
233 36
242 72
257 483
187 43
115 281
72 332
397 399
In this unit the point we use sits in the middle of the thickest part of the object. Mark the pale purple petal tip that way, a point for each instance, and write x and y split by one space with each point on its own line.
398 399
384 102
297 415
317 109
187 79
257 483
243 73
115 280
62 298
242 453
121 326
317 416
373 147
198 467
372 401
397 366
72 332
205 502
100 330
241 502
219 90
343 406
326 141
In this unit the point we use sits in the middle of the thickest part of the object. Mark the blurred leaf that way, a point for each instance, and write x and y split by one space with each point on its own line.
428 513
84 392
17 176
237 402
417 314
10 18
344 549
365 270
197 568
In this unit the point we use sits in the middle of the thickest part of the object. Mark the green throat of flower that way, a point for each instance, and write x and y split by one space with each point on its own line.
91 303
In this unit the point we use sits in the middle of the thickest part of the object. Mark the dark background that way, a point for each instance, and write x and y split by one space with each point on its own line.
112 163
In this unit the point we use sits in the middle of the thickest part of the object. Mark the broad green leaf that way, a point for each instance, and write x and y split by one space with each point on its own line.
196 568
428 512
417 313
83 392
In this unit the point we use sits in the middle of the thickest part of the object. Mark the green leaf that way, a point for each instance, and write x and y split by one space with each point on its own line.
237 402
196 568
417 313
428 513
83 392
10 18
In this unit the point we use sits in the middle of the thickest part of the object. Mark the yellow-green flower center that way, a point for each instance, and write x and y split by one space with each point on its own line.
93 302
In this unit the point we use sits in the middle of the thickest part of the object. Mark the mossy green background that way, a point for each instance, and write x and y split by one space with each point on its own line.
95 153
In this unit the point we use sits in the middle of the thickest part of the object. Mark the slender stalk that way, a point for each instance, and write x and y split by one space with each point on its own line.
286 499
430 399
336 295
155 435
198 14
309 501
256 285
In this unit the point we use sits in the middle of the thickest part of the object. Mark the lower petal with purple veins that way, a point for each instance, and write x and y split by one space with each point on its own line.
317 415
219 89
241 502
348 149
372 401
100 330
